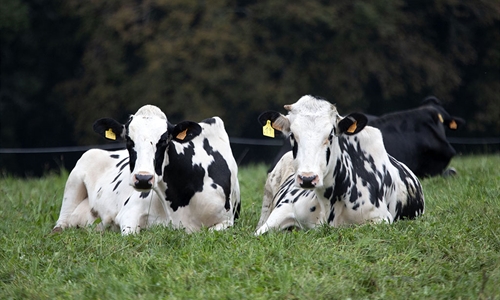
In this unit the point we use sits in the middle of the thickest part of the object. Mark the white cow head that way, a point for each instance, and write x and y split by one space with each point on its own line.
147 135
314 127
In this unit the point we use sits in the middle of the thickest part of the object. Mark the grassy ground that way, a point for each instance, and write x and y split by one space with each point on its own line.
452 252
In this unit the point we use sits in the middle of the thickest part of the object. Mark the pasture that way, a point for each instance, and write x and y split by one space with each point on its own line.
452 252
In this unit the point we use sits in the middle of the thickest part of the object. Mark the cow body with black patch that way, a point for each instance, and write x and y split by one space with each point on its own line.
180 175
200 180
346 165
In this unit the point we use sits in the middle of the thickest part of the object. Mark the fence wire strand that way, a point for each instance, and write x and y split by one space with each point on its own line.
237 141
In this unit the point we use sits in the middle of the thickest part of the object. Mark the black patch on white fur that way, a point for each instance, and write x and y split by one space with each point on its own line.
219 172
117 184
183 179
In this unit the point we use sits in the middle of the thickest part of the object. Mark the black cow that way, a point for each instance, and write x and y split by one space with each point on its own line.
415 137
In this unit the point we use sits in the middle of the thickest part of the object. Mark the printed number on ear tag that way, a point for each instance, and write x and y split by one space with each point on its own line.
109 134
267 130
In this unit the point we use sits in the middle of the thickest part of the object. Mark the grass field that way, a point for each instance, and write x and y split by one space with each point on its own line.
452 252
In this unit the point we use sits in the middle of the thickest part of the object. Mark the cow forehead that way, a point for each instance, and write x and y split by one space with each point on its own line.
147 127
311 126
310 113
311 105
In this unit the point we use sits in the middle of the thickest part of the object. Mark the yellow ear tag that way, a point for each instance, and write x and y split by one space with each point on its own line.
440 118
109 134
182 135
268 130
453 124
352 128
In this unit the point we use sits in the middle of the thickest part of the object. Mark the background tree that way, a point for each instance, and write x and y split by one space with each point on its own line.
38 50
75 61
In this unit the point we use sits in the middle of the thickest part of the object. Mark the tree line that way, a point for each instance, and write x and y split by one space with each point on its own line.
66 63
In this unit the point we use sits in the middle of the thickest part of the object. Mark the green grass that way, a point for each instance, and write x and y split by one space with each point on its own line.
452 252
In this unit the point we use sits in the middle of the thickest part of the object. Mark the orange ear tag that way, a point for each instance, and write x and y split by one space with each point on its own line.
268 130
453 125
182 135
352 128
109 134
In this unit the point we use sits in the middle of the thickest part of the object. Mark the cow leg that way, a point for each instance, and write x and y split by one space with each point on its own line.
83 215
307 211
267 204
281 217
283 171
207 209
139 213
364 213
75 208
132 220
376 215
450 172
222 225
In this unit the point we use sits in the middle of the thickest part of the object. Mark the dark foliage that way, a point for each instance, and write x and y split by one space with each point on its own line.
65 64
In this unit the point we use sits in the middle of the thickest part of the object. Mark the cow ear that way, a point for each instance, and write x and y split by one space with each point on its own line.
277 120
185 131
352 124
109 129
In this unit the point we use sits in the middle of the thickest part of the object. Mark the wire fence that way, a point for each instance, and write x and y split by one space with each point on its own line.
237 141
474 141
115 146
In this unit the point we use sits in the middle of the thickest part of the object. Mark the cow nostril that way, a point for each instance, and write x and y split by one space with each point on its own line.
143 181
308 181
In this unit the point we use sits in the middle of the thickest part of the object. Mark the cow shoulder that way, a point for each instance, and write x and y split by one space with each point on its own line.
96 162
189 164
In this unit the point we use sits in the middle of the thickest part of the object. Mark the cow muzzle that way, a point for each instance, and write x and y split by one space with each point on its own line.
307 180
143 181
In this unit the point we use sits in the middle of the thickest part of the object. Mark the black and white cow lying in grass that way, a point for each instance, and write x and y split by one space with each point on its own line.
183 176
344 163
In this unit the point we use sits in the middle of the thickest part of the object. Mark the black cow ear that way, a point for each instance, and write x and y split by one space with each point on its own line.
268 116
275 119
352 123
109 129
185 131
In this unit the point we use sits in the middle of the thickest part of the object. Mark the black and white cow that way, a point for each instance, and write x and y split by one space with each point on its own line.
346 165
183 176
415 137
